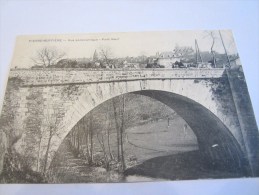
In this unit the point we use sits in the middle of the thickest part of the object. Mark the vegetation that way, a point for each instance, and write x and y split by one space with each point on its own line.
47 57
16 170
101 136
104 58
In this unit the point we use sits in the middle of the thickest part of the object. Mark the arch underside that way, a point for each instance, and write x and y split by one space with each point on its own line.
217 145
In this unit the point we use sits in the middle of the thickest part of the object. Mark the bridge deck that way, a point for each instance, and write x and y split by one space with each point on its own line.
81 76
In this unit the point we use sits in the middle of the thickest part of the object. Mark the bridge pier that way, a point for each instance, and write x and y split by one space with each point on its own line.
246 117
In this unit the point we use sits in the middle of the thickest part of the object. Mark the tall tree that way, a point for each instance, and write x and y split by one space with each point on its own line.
100 139
108 131
123 120
117 126
106 56
213 37
122 130
86 136
47 57
91 136
39 149
226 53
50 127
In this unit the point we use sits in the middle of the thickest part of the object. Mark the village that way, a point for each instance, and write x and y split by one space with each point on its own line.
103 58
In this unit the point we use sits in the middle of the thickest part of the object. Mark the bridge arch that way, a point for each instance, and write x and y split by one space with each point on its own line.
214 138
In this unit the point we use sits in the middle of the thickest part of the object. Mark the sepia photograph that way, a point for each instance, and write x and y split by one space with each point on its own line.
127 107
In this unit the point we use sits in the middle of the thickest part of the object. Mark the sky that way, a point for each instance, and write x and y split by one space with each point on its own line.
120 44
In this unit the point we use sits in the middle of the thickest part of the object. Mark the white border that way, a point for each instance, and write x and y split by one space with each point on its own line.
55 17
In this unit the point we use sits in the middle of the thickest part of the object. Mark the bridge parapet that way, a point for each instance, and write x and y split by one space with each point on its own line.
77 76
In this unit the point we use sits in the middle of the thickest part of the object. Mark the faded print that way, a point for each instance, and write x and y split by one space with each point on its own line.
127 107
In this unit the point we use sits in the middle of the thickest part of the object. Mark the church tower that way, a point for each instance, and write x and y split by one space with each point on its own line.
95 56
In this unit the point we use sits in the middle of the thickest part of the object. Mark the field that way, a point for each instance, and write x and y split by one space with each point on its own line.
158 139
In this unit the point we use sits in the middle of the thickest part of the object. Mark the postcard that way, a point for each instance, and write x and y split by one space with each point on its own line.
127 107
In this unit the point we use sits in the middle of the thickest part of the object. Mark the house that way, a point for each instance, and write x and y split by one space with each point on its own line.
167 59
130 64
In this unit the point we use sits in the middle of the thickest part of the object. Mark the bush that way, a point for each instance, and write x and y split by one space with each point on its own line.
15 172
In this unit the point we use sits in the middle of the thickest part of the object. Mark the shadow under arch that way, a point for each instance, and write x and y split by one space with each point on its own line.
217 145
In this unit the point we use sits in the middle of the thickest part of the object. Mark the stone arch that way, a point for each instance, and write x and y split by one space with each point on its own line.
214 137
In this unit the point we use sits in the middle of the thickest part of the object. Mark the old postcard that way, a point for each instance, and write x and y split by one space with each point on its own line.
127 107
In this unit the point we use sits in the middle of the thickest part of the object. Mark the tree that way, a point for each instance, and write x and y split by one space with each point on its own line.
117 128
108 131
103 127
183 52
50 128
120 124
39 149
106 56
85 132
47 57
213 37
90 136
122 131
101 142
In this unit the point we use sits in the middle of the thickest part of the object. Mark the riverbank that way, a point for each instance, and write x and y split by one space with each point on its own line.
182 166
70 168
149 140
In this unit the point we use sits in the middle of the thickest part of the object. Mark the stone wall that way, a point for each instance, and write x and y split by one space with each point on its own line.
44 99
10 121
72 76
245 115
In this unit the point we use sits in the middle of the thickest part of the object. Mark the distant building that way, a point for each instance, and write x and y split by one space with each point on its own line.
151 60
130 64
95 56
96 59
167 59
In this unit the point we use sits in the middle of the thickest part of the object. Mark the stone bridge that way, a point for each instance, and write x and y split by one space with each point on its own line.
39 100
